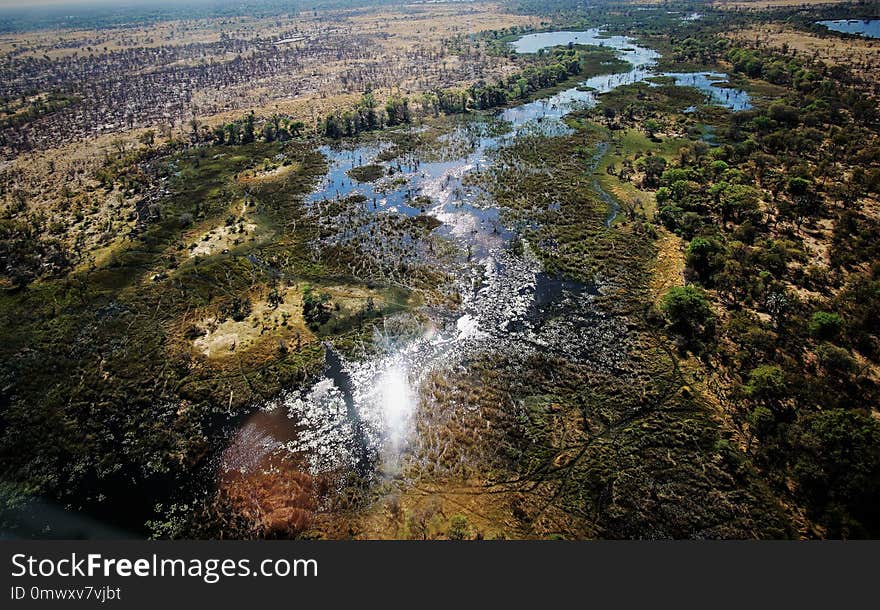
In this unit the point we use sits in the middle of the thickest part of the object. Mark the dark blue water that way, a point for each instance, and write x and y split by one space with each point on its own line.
869 28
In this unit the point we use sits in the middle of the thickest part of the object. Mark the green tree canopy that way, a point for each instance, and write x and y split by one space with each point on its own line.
688 315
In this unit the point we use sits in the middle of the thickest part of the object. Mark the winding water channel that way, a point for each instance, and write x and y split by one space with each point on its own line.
360 413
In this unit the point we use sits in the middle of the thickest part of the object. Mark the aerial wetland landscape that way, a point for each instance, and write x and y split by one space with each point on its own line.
443 270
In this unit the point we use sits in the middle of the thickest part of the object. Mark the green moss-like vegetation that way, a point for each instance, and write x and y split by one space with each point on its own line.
107 407
367 173
588 453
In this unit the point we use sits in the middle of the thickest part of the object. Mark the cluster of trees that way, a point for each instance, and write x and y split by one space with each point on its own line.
689 316
240 131
553 68
15 111
549 70
237 308
561 64
249 129
28 254
316 307
367 116
793 334
281 128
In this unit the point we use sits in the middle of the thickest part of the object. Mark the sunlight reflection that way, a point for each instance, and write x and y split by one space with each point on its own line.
397 400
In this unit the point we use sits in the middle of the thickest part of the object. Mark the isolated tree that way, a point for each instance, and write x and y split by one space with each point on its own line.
761 422
147 138
247 135
704 256
688 316
652 166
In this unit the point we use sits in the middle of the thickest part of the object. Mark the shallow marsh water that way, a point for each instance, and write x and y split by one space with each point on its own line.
708 83
362 409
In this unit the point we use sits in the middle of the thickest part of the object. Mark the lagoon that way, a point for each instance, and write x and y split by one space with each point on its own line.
868 28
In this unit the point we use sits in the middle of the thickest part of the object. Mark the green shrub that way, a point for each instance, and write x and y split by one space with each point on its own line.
826 325
459 528
836 360
767 383
704 257
315 308
838 468
237 309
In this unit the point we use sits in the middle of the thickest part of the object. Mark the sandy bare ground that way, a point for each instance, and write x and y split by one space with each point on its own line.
223 337
277 324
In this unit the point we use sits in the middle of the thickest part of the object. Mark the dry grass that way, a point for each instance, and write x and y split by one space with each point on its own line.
432 22
227 337
64 42
256 176
397 36
269 326
222 238
668 266
425 512
861 55
225 236
758 5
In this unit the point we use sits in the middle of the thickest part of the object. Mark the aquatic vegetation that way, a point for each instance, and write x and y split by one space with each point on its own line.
367 173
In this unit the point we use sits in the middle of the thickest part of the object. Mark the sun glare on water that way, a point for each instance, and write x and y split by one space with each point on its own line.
397 401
